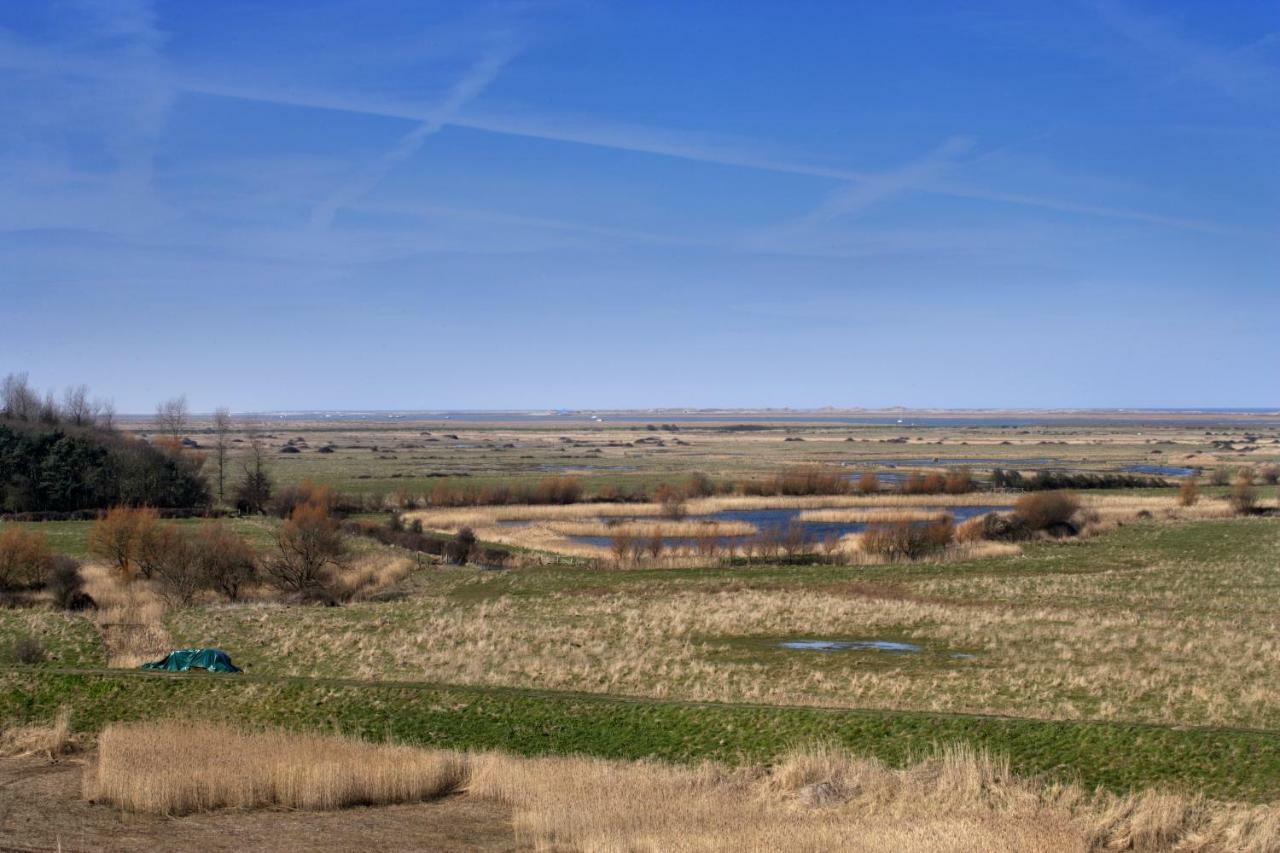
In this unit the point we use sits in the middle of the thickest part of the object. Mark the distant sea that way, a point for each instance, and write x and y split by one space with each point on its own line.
995 419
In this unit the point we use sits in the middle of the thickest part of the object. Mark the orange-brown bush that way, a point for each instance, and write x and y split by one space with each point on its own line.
958 482
1243 496
907 540
25 559
868 484
311 554
805 480
549 490
932 483
1188 492
224 561
291 497
1046 510
118 537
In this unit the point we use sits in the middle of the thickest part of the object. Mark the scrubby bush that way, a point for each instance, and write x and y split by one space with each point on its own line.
311 552
1269 474
224 562
1055 480
458 551
1050 511
1243 496
868 484
797 482
169 558
932 483
1219 477
907 540
958 481
25 559
1188 492
67 586
24 649
699 485
119 537
291 497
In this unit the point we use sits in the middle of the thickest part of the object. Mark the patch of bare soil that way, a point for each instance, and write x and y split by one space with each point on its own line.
41 809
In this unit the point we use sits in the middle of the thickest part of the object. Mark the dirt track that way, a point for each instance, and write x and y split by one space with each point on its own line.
41 809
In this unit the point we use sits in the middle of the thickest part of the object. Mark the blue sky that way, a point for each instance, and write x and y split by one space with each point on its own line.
579 204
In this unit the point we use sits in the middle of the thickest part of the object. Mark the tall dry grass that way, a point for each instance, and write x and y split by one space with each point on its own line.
178 767
815 798
50 741
129 617
826 798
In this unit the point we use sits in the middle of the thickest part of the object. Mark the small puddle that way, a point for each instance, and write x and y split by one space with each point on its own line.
851 645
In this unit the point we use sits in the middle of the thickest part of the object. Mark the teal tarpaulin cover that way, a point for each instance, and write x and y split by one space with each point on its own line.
214 660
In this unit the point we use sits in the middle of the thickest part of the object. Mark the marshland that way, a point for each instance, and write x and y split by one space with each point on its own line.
735 568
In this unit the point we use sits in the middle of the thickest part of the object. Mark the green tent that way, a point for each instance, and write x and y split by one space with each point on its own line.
214 660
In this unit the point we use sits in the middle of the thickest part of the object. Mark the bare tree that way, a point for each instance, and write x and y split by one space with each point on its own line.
221 443
171 416
17 399
254 490
104 413
75 405
49 413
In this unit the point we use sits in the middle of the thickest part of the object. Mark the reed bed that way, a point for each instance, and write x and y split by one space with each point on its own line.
868 516
647 529
177 767
814 798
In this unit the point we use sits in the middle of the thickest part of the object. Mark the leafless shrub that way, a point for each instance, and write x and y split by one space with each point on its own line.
119 537
1046 510
26 561
958 481
1243 496
907 540
1188 492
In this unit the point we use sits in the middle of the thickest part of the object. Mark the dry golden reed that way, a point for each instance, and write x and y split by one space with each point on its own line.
178 767
815 798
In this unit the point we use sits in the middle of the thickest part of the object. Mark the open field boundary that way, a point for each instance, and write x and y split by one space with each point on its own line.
1222 763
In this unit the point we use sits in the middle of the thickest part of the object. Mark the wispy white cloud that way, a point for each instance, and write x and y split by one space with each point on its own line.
858 196
662 142
473 82
1242 73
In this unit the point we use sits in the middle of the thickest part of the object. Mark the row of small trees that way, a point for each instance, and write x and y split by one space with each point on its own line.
309 557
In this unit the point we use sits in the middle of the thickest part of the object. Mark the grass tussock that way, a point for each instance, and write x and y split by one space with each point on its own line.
176 768
814 798
50 741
